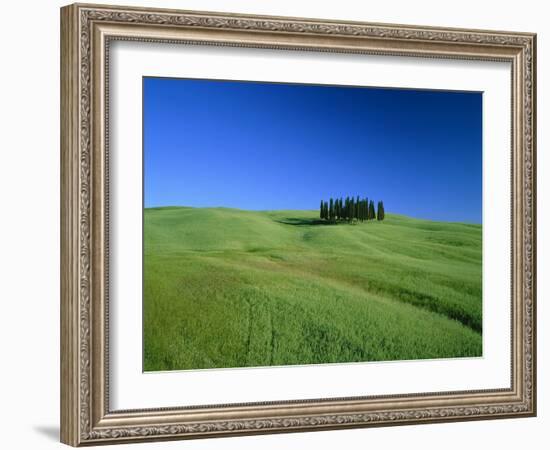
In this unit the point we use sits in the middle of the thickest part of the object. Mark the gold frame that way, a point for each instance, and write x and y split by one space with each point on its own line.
86 31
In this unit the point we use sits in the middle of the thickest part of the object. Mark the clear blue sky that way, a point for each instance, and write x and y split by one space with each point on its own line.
266 146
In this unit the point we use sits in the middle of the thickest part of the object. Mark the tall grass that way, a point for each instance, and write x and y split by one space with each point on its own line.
232 288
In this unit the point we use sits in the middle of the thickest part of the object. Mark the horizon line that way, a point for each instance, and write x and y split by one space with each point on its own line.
315 209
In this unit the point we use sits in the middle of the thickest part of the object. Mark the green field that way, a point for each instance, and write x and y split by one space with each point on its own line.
232 288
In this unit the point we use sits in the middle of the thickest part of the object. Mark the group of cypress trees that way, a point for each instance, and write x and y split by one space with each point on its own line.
350 209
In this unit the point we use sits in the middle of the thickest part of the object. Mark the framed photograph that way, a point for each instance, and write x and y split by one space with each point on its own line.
275 224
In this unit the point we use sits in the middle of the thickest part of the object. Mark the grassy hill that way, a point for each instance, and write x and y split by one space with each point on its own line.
233 288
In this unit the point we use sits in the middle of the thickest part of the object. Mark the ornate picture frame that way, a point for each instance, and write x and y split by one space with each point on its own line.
87 32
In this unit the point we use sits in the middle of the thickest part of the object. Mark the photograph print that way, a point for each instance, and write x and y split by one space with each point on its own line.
296 224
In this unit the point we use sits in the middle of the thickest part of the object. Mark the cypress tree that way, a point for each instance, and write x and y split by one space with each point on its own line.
346 209
343 210
350 209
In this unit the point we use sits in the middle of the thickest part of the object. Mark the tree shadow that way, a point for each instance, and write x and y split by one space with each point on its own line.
301 221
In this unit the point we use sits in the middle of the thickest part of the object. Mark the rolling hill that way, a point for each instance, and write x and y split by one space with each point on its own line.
233 288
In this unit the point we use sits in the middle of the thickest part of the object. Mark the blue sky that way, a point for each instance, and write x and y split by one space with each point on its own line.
265 146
